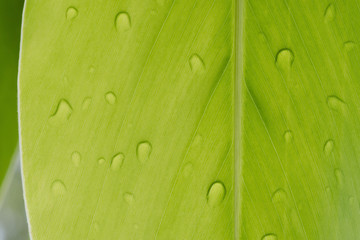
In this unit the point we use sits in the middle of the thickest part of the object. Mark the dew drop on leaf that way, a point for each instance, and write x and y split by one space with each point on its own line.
348 46
110 97
328 147
336 103
101 161
58 188
117 161
129 198
76 158
288 136
269 236
339 176
284 59
71 13
62 113
216 194
188 168
143 151
329 14
197 65
279 196
86 103
122 21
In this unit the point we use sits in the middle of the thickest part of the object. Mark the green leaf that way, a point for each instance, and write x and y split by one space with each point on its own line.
10 20
300 108
126 114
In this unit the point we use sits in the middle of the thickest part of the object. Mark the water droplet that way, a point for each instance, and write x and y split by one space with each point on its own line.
96 226
187 170
197 65
288 136
58 188
198 139
336 103
339 176
329 14
76 158
269 236
101 161
143 151
110 97
123 22
86 103
91 69
284 59
117 161
328 147
279 196
136 226
216 194
351 200
62 113
348 46
71 13
129 198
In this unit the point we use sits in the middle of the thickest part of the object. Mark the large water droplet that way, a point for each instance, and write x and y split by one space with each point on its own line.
279 196
339 176
269 236
117 161
216 194
76 158
197 65
129 198
71 13
58 188
110 97
122 21
288 136
62 113
328 147
284 59
143 151
86 103
329 14
336 103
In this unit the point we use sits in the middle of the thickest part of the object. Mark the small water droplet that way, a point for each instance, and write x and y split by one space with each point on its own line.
284 59
269 236
197 65
143 151
122 21
153 12
91 69
339 176
58 188
348 46
279 196
86 103
188 168
96 226
110 97
117 161
216 194
76 158
129 198
351 200
71 13
198 139
336 103
101 161
160 2
329 14
288 136
62 113
328 147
